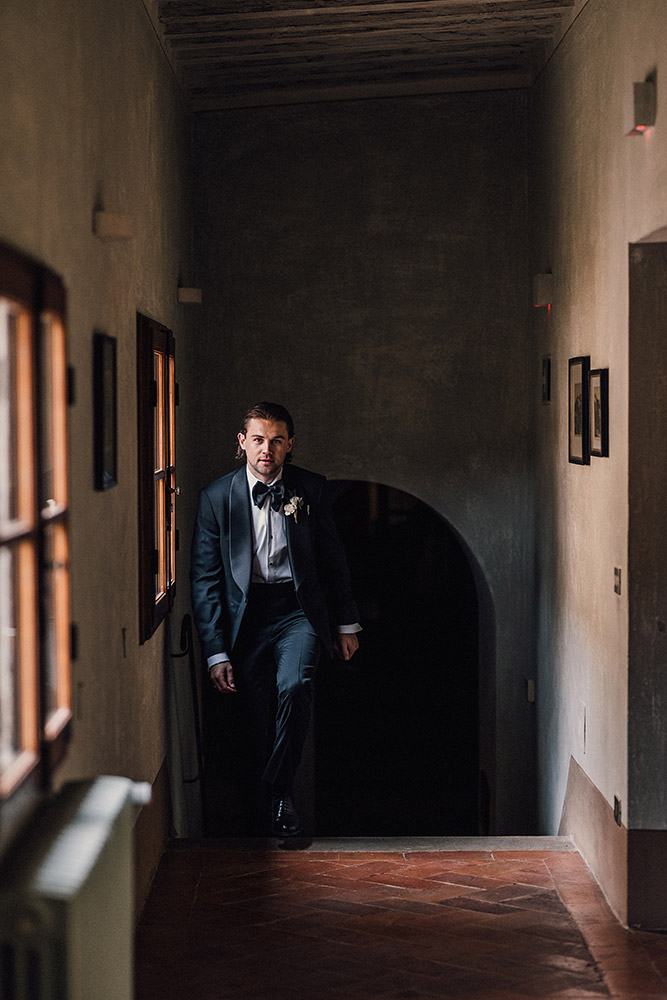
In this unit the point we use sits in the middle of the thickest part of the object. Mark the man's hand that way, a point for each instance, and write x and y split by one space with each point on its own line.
346 644
222 676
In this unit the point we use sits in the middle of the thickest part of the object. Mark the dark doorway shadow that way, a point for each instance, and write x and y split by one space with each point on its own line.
397 731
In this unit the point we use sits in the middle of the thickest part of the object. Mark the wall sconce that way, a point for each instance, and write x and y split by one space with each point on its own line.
112 226
189 296
643 111
543 286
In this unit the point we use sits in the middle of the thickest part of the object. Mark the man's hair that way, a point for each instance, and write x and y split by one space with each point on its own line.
266 411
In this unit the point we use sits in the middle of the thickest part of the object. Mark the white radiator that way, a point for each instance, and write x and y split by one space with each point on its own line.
66 897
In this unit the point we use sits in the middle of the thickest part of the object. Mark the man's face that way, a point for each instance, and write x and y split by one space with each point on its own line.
266 446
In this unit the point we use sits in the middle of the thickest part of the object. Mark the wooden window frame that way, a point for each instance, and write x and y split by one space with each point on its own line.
157 399
37 536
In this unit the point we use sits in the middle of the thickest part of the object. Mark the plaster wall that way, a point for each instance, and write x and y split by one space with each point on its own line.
594 191
90 118
365 263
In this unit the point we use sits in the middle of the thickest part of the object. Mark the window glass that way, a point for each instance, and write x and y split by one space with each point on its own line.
158 417
171 507
19 689
171 528
16 414
8 415
53 467
156 400
18 622
10 726
160 547
34 574
56 625
172 410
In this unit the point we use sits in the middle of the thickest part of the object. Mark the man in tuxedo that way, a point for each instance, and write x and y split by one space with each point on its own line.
270 591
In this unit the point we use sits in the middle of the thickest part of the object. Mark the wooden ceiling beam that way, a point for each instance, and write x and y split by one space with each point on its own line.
181 10
289 54
428 30
259 23
274 97
244 75
335 41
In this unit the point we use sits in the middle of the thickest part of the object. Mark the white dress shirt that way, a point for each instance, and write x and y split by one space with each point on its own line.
270 563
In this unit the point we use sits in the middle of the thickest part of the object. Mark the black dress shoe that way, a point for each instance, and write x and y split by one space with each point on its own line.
285 820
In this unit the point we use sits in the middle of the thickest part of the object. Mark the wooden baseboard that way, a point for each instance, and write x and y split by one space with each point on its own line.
589 819
151 832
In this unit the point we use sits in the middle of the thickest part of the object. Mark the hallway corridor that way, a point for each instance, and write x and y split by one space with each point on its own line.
388 920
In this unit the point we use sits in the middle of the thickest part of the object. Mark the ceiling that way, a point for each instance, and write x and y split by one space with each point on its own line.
231 54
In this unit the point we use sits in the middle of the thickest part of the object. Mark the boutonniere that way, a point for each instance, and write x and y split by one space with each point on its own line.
293 506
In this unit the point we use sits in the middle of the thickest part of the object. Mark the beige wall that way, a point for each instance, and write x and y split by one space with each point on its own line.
594 192
90 117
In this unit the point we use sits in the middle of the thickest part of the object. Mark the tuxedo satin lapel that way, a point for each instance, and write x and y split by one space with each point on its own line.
297 536
240 530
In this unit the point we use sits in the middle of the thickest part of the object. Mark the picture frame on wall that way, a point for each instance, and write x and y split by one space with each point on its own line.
599 412
105 411
579 410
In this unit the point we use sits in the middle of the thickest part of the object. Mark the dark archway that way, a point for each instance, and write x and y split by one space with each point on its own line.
396 748
397 731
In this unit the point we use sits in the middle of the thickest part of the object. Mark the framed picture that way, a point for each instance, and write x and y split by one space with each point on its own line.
599 412
546 379
579 411
105 411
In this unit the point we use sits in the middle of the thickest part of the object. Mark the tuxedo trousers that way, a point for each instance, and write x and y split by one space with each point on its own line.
275 660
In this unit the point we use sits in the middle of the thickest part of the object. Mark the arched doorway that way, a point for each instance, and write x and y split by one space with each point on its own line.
397 731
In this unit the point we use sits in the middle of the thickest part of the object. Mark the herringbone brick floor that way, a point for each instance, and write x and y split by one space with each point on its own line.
271 924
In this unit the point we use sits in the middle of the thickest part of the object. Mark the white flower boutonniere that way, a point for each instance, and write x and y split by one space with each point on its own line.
293 506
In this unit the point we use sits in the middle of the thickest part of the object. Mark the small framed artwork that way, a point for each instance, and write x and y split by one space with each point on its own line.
546 379
599 412
579 411
105 412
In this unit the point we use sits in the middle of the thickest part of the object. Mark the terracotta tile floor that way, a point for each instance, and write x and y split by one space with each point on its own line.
226 923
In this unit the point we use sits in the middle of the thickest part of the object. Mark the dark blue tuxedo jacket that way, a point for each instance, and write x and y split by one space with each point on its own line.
222 559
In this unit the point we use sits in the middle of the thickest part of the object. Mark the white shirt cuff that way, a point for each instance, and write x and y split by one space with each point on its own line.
217 658
223 658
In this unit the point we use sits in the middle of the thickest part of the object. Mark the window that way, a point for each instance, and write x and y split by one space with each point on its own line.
157 399
34 550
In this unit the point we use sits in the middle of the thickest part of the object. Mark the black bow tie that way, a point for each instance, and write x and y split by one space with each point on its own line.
260 491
